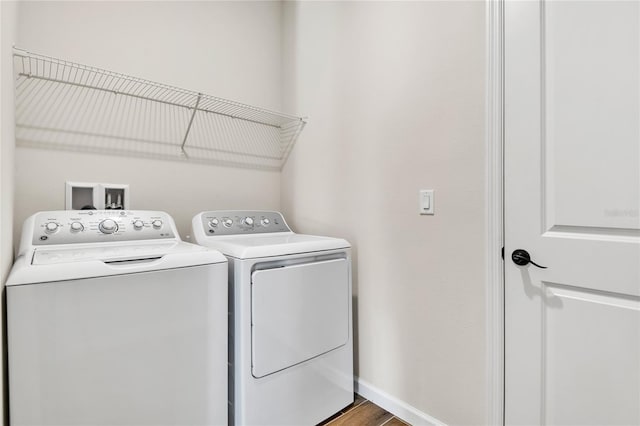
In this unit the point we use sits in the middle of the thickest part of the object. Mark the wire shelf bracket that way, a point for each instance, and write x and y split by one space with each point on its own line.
68 106
193 115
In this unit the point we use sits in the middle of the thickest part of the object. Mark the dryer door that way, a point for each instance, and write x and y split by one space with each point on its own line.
298 312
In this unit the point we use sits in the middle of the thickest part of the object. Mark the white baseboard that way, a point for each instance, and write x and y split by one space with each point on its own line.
393 405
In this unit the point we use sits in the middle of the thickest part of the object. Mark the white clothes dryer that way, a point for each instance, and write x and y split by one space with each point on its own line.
290 330
113 320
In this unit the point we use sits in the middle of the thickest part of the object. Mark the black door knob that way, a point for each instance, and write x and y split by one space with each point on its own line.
522 258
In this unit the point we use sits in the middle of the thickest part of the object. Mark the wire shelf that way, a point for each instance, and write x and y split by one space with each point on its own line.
68 106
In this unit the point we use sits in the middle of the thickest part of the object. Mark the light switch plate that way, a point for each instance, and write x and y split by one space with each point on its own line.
425 201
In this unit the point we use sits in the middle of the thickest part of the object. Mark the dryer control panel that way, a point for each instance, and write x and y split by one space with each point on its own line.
93 226
238 222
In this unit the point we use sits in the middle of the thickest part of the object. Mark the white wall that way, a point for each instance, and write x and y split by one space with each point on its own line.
227 49
7 38
395 95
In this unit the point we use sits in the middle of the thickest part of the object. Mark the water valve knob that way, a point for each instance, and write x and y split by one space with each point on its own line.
214 223
138 224
76 227
50 227
248 221
265 222
157 224
227 222
108 226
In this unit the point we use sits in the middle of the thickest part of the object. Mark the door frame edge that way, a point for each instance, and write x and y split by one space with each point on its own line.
494 148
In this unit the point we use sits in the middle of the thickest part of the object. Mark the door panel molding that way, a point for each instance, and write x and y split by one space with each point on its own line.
494 236
594 233
595 107
606 320
594 296
547 196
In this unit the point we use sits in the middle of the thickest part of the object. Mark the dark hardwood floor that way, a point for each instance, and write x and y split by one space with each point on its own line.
363 413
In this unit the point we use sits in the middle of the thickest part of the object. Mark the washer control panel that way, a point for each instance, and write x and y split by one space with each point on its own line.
92 226
237 222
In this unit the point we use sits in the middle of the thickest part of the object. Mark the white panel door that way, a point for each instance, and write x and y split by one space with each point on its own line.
572 201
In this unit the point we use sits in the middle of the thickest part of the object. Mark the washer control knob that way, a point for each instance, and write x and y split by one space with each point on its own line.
248 221
157 224
108 226
50 227
138 224
76 227
213 223
227 222
265 222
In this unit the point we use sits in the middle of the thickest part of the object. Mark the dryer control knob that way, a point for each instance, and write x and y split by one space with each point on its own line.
76 227
213 223
248 221
227 222
265 222
50 227
138 224
157 224
108 226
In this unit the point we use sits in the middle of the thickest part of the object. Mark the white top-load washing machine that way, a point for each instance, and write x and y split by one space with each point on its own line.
290 333
113 320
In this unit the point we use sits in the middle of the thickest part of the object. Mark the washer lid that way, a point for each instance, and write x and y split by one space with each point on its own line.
62 262
105 253
277 244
